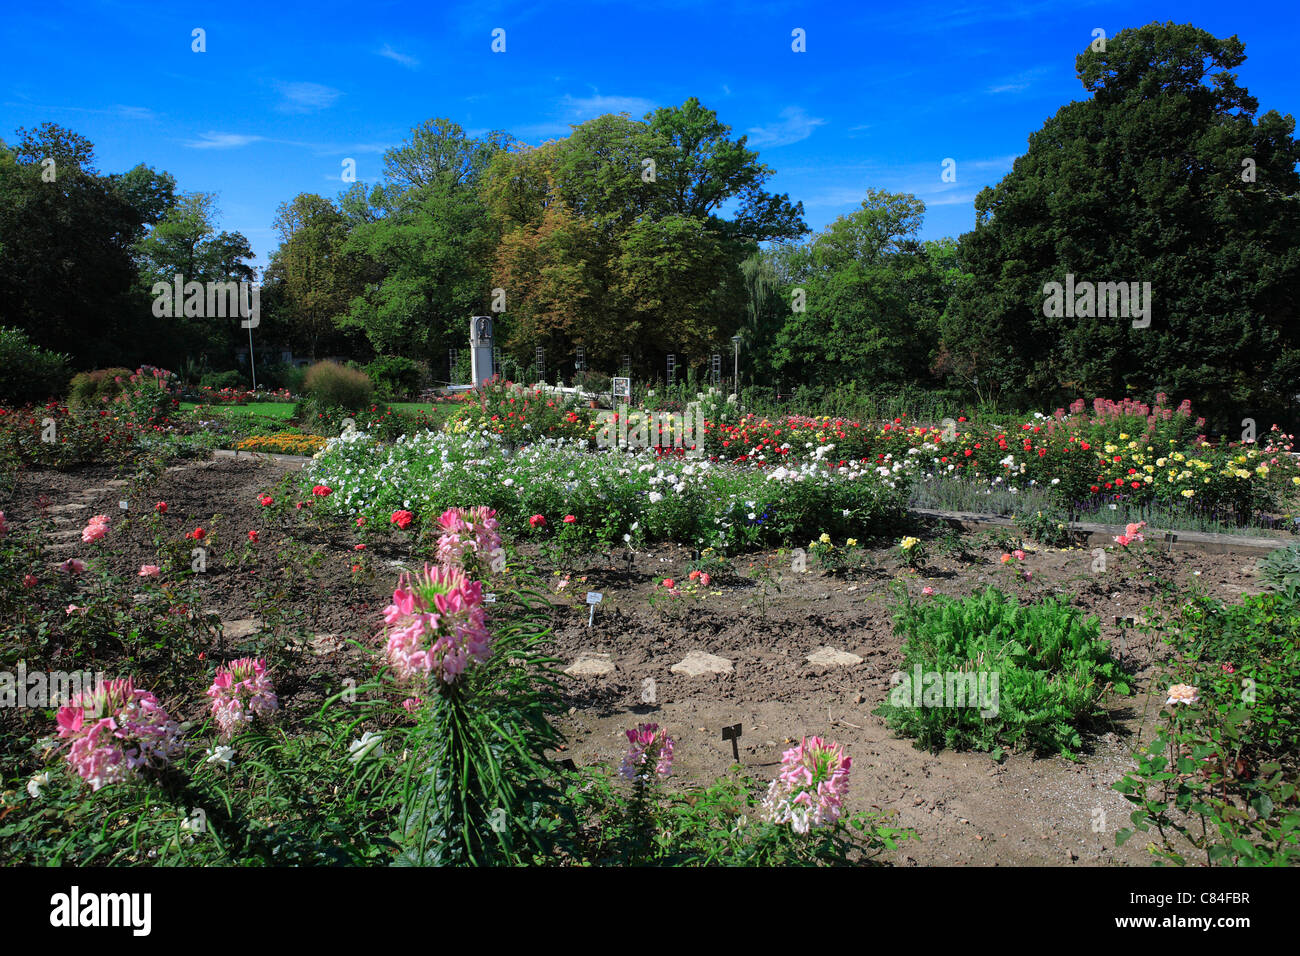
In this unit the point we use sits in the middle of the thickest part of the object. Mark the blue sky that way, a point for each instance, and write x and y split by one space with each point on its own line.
286 91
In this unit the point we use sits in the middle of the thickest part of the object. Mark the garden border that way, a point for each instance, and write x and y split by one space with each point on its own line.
1104 534
1097 534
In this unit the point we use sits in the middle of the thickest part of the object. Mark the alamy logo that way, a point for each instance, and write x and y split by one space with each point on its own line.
946 689
1086 300
208 300
644 429
103 909
44 688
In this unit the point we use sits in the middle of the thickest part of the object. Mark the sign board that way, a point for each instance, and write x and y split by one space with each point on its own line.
594 597
622 388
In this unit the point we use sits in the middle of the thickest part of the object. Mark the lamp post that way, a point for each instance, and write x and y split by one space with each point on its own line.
735 371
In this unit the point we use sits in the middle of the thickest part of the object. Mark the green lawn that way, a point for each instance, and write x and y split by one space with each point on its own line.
281 410
285 409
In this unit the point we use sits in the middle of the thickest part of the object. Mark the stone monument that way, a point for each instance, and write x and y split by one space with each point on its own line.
480 346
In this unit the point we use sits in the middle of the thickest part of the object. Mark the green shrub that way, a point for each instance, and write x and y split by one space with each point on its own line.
1281 569
29 373
1232 757
1041 671
220 380
332 385
1046 527
396 377
281 375
91 389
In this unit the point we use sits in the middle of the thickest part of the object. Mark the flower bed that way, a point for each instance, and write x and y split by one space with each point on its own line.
282 443
613 497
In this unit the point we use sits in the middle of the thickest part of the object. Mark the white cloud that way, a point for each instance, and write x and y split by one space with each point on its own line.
307 97
1018 82
794 125
222 141
596 105
406 61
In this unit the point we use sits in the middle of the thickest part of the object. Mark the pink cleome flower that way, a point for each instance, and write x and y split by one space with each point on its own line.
117 731
811 787
436 625
649 747
473 530
149 571
241 691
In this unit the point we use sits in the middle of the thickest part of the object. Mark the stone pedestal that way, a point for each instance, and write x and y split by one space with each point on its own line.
480 346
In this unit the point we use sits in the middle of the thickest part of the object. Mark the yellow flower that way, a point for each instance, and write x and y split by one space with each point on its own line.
1161 462
1123 437
909 543
825 538
1187 493
852 542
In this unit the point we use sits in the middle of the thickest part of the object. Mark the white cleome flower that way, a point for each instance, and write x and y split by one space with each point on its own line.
221 755
35 784
370 745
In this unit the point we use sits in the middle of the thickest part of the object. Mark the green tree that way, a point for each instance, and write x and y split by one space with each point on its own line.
67 272
1146 181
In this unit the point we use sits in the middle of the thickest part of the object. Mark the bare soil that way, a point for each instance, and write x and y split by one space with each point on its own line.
968 809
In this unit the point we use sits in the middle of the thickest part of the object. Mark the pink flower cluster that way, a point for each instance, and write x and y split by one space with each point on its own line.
811 787
241 691
116 731
436 625
648 747
472 529
1132 532
95 529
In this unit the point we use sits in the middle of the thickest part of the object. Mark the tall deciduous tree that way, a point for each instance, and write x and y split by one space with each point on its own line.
1165 176
642 202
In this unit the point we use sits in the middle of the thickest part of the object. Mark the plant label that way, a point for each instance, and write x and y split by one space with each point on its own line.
732 733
